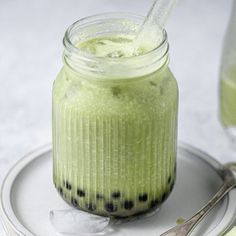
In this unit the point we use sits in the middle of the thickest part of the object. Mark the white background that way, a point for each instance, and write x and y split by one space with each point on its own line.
31 33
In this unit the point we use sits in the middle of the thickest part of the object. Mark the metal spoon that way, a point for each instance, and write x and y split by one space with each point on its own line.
228 172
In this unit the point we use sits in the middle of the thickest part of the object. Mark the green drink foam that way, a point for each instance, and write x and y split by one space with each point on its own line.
115 47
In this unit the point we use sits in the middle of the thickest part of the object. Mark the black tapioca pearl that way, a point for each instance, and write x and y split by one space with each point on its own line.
116 91
90 206
68 185
153 83
128 205
60 190
116 195
110 207
74 202
99 196
154 203
169 179
172 186
164 196
80 192
143 197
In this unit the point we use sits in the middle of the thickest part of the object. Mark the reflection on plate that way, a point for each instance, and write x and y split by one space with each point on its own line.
28 195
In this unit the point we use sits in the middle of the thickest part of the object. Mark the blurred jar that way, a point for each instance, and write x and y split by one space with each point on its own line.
228 79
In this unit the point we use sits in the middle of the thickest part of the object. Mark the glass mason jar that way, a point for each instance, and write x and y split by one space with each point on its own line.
114 123
228 79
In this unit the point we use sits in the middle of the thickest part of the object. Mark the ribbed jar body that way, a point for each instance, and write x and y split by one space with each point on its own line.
114 141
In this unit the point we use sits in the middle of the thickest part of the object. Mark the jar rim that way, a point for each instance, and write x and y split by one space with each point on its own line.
148 60
70 45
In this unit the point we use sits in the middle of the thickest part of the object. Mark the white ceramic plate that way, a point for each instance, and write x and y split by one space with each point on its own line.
28 195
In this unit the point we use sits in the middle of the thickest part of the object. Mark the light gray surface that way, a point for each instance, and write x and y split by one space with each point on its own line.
30 57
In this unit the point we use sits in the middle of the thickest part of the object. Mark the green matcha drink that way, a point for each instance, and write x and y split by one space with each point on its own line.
114 120
228 98
228 78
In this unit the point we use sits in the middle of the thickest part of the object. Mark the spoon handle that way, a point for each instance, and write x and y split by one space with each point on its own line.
186 228
159 12
155 21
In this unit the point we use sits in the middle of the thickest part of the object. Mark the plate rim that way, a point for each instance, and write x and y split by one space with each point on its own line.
19 228
10 177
